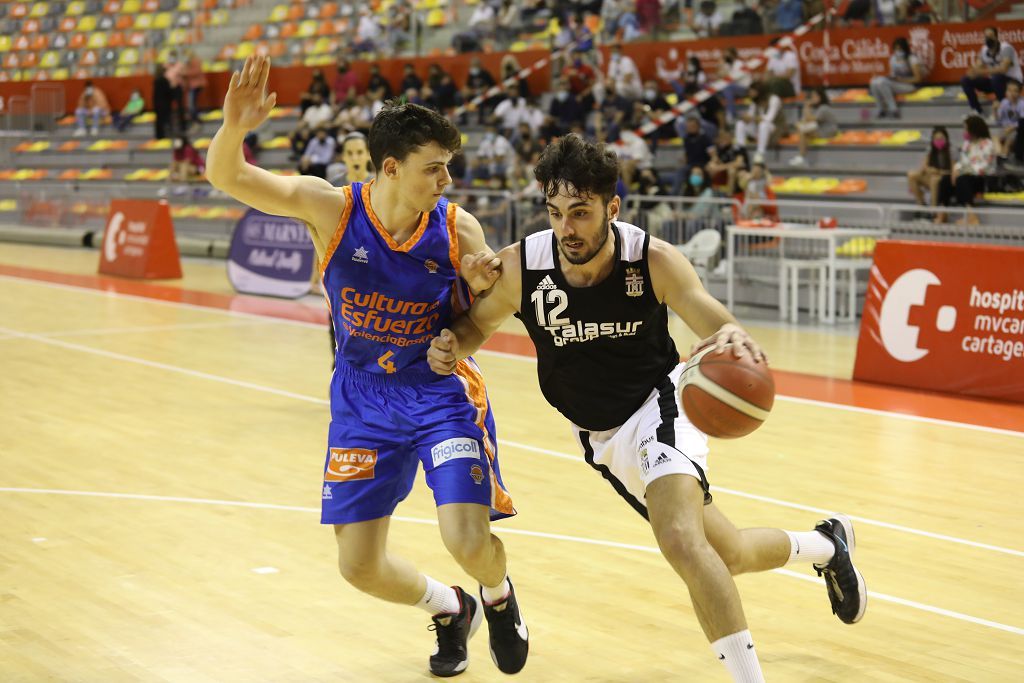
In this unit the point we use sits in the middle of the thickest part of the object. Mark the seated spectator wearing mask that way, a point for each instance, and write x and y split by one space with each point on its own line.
818 121
935 173
997 65
765 115
318 154
695 145
728 161
977 163
92 102
186 163
905 75
782 74
132 108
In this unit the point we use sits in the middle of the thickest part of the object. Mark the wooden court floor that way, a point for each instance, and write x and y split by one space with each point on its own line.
160 458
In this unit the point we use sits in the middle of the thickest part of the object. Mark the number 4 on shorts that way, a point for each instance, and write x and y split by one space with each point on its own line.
385 362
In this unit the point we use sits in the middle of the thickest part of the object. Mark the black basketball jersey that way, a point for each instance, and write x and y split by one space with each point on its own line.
600 349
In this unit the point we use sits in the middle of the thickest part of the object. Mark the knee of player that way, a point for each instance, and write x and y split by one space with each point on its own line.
680 540
361 572
469 545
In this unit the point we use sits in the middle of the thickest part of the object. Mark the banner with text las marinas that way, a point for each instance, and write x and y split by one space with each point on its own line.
946 317
139 241
270 255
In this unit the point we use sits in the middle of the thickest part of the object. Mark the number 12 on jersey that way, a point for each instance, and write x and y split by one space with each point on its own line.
554 316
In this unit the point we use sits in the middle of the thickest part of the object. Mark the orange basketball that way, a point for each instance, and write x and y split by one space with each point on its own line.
725 396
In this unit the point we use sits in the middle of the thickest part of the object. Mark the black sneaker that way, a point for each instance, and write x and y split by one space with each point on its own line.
451 657
510 639
845 584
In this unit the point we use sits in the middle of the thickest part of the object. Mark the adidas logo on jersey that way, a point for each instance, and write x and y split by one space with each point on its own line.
546 283
662 460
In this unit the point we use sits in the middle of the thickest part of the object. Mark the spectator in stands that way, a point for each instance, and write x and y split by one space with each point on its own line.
478 82
410 81
976 164
565 109
733 68
782 74
368 32
818 121
378 88
905 75
670 71
132 108
161 102
354 115
510 68
186 162
299 138
765 115
507 24
745 21
728 162
176 77
346 83
623 72
696 148
694 78
317 91
788 15
707 21
756 190
401 25
511 111
857 10
319 113
997 64
492 159
92 102
648 15
318 154
612 12
935 173
919 12
1010 119
440 92
194 82
701 209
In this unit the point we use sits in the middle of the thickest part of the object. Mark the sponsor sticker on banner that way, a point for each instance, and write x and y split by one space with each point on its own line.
945 317
138 240
270 255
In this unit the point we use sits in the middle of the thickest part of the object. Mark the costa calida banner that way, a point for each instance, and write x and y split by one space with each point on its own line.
945 317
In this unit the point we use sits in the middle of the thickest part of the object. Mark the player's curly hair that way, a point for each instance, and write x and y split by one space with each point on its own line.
402 127
582 168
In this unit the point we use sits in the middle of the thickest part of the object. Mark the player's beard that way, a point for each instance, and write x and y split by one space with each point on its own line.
584 255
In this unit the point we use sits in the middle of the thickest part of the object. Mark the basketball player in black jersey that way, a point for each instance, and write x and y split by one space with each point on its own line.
593 294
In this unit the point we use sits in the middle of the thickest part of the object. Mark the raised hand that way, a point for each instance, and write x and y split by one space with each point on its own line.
247 103
481 270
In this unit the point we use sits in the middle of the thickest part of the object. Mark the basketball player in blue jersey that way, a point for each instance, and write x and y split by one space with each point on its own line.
395 258
593 294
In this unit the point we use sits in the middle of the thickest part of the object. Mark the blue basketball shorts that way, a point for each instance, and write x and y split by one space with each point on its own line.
384 426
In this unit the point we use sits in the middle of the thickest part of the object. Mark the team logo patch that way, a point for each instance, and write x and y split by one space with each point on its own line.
431 265
455 448
360 255
477 473
644 464
350 464
634 282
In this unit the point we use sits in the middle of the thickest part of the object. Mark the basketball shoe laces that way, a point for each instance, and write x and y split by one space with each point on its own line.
451 637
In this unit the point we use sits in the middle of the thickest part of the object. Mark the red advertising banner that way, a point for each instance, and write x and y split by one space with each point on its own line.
945 317
139 240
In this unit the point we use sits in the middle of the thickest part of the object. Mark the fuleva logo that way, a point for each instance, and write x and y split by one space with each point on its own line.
899 337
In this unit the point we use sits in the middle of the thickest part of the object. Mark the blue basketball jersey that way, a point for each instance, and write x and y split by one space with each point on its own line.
387 300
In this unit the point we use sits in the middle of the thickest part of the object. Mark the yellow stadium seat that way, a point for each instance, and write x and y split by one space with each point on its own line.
144 21
131 7
307 29
436 17
129 57
75 8
244 50
50 59
87 24
278 14
124 71
215 67
163 20
322 46
97 40
59 74
5 43
39 9
187 5
178 36
219 17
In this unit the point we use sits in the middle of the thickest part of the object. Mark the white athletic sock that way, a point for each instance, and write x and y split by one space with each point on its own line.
739 656
810 546
439 598
497 593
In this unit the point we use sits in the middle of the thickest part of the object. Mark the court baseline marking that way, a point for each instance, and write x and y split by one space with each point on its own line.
519 532
501 354
171 327
514 444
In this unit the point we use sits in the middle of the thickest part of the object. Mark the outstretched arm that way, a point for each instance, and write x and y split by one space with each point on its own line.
677 285
489 311
480 267
306 198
